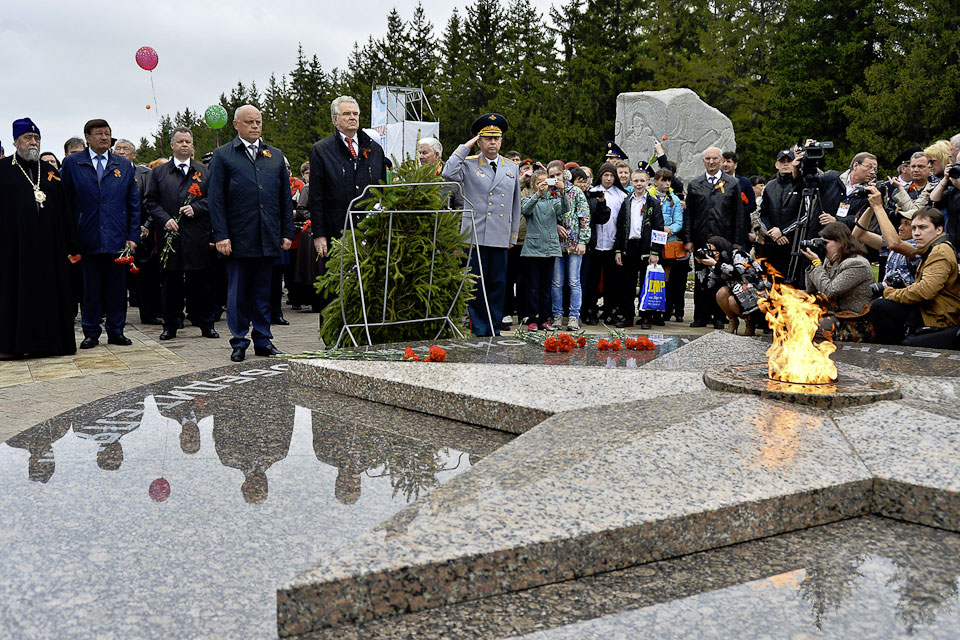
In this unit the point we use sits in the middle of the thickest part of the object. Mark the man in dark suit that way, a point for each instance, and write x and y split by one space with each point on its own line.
341 165
106 205
252 218
714 208
185 218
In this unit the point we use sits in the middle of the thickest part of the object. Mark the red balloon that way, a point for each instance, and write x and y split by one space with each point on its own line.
147 58
159 490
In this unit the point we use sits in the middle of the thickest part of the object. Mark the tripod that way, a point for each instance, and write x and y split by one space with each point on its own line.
809 205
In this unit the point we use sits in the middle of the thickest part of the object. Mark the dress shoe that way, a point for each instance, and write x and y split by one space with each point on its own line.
151 321
209 333
623 324
89 343
268 350
238 354
658 320
280 321
168 334
697 324
678 318
119 339
719 324
645 325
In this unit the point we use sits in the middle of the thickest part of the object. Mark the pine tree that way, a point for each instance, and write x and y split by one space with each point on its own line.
411 292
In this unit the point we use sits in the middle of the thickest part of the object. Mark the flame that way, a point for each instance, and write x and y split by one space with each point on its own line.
794 317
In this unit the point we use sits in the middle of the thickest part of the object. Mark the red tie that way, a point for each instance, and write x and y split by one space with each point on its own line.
353 151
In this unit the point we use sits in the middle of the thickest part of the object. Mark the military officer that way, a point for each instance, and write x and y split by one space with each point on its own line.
491 185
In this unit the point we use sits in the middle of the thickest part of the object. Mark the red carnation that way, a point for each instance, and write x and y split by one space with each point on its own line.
551 344
408 354
437 354
581 342
603 345
194 190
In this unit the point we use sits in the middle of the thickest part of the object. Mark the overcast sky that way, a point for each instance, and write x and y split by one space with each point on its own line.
65 62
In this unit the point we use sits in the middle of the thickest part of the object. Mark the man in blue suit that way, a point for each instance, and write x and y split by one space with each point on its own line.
251 213
106 204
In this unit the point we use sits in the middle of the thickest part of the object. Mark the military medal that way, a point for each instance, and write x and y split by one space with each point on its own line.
38 195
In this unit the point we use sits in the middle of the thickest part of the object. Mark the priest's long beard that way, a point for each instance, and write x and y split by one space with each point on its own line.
32 154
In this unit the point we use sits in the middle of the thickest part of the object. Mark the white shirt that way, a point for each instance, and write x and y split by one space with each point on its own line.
607 233
636 217
714 178
93 157
344 138
179 165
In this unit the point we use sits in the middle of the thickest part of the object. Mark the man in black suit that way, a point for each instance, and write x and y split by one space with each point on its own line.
252 217
185 217
714 208
341 165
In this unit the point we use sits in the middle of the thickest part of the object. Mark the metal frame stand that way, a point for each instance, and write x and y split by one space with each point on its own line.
348 225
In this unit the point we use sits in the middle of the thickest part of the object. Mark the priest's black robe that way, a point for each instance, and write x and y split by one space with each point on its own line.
36 298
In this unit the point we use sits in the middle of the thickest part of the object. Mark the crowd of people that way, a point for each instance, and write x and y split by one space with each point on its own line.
558 244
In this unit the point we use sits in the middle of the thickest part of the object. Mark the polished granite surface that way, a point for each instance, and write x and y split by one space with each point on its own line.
867 577
174 510
640 465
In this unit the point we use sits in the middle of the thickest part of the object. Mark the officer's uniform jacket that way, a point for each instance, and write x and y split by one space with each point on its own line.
495 197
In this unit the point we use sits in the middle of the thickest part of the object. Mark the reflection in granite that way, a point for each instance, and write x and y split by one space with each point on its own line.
173 510
863 578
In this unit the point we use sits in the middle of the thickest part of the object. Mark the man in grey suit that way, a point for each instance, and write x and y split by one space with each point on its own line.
491 184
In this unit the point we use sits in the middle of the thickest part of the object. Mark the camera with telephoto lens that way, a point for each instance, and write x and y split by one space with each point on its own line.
817 245
745 279
953 171
860 191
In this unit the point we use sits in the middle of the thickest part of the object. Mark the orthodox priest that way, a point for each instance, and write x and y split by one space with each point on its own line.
37 238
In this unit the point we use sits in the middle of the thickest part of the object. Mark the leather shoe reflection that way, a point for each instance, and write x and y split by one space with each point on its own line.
238 354
267 350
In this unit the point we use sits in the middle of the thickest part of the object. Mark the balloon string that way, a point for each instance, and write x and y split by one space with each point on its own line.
155 105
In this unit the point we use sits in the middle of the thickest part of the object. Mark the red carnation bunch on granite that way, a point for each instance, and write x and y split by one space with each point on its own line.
562 343
642 343
437 354
605 345
408 354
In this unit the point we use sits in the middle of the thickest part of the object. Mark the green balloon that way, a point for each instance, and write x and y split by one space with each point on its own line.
216 116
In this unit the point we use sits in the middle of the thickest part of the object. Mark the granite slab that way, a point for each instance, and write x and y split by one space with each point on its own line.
866 577
587 492
913 455
508 398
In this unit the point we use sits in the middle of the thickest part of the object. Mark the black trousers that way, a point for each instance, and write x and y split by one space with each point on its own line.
634 270
603 269
538 282
195 288
276 292
705 307
515 300
148 289
676 286
890 320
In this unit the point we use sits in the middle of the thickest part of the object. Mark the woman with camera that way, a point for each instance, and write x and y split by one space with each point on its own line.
839 270
724 260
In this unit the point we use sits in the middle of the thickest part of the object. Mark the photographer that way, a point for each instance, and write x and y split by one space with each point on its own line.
779 208
840 272
735 278
934 299
902 261
844 194
946 195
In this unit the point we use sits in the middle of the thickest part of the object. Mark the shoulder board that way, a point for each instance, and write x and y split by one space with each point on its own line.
473 157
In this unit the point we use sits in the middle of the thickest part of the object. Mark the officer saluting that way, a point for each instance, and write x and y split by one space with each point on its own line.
492 185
